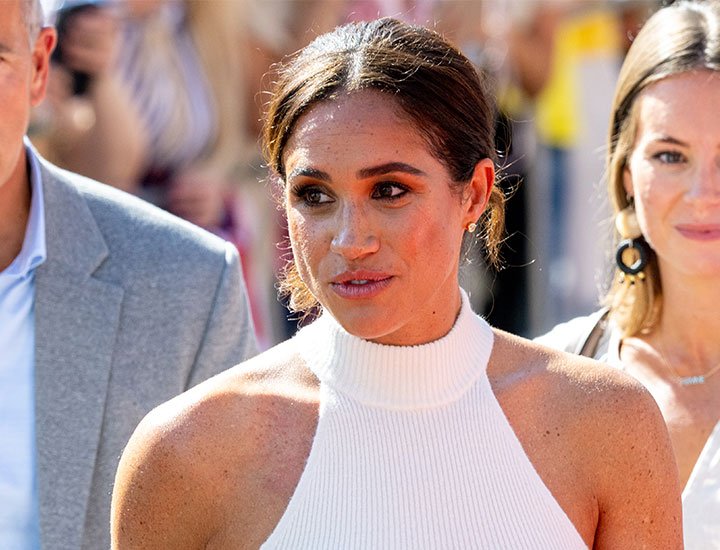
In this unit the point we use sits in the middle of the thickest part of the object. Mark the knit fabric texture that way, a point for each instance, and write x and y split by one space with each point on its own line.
412 451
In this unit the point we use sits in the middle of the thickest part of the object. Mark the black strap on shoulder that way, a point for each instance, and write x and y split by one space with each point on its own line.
588 345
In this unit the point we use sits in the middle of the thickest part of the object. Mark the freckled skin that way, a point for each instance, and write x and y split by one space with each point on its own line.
612 478
355 231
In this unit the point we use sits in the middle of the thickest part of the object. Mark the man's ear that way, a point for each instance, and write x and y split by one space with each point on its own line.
44 45
478 192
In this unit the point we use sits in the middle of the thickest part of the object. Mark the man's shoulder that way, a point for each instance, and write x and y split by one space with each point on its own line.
125 220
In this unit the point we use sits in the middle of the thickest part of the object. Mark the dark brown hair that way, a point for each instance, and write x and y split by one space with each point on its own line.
434 84
677 39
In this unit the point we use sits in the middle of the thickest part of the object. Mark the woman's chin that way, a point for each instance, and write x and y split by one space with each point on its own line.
365 328
368 323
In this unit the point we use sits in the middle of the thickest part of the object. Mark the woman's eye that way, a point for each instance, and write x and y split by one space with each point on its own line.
312 195
669 157
388 190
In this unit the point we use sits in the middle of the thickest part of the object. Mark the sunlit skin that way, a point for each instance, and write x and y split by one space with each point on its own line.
673 175
23 79
674 171
365 198
376 232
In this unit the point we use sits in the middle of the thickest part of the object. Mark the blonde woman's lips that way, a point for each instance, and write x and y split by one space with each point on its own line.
361 284
699 232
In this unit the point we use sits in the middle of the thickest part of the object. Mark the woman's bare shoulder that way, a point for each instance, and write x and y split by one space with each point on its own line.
197 452
574 391
585 423
234 399
584 382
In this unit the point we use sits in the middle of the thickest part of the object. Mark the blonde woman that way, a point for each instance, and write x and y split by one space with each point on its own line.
663 311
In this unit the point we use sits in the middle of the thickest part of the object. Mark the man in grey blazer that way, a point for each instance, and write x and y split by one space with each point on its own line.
108 307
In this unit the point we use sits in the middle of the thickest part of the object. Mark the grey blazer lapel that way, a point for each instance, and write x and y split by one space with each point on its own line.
76 323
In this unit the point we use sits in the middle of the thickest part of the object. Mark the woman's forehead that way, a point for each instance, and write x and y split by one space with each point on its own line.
358 108
363 117
671 103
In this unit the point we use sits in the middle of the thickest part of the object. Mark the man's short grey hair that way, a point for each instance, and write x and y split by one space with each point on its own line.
32 14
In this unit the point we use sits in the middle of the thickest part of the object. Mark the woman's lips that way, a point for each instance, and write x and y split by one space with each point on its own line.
360 284
699 232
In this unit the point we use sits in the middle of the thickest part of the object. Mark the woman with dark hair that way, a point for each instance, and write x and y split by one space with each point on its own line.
398 418
662 317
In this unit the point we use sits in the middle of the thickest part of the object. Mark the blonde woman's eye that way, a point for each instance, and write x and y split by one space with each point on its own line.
670 157
388 190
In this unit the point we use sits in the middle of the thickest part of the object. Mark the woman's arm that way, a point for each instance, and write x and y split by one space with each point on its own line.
636 476
160 499
194 474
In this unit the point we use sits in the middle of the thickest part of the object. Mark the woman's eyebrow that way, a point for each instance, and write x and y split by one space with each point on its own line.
662 138
309 173
387 168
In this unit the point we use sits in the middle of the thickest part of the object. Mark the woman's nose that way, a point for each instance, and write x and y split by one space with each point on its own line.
354 236
705 183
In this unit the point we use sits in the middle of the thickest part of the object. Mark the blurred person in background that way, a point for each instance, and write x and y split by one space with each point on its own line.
108 307
662 319
165 113
563 58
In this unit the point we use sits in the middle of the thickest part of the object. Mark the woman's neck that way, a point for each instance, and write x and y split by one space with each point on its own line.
399 377
687 331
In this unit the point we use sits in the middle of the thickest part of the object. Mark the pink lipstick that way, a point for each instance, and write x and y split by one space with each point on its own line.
700 231
360 284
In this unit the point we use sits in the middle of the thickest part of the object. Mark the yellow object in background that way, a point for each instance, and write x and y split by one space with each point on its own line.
581 35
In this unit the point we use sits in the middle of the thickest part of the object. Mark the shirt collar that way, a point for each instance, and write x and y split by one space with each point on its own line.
34 250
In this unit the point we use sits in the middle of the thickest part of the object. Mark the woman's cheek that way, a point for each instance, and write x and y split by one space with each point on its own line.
641 211
650 205
306 242
295 228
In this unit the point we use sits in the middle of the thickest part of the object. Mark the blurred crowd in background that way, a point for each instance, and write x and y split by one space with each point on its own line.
164 99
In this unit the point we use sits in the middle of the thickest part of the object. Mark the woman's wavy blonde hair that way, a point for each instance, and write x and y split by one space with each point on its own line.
434 84
677 39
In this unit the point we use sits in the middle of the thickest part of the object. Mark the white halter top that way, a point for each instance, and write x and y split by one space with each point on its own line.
412 451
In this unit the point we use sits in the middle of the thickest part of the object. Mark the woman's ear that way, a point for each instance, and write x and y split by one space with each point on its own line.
478 192
627 182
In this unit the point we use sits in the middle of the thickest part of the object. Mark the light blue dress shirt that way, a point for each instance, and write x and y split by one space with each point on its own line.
18 480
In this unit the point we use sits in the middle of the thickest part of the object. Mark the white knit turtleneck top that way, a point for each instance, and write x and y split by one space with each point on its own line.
412 451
